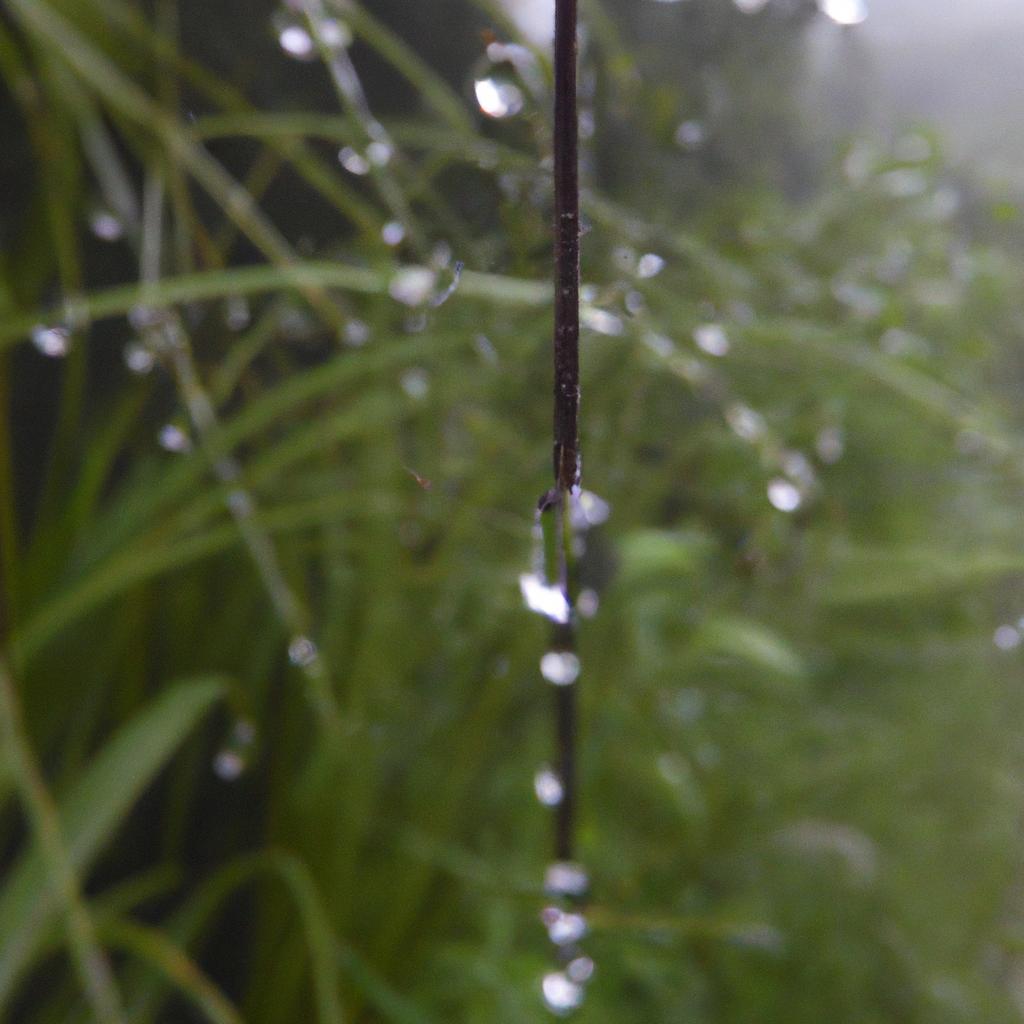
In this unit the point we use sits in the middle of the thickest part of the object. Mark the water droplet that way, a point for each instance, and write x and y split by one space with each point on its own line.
562 668
561 994
564 928
302 651
830 445
393 232
237 313
296 41
691 135
442 297
138 358
659 344
353 161
746 423
844 12
54 342
587 509
543 598
412 285
229 765
356 333
798 467
334 34
485 349
548 787
106 226
580 969
240 502
416 383
587 603
649 265
784 495
173 439
566 878
1006 638
497 98
634 302
601 321
712 339
380 153
867 303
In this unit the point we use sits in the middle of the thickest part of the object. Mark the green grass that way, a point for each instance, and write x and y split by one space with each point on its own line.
800 754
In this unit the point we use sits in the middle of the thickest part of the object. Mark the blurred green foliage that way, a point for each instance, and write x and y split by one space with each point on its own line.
801 758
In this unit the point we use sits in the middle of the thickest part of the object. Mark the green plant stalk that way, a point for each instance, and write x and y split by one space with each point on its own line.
168 336
567 395
123 95
90 960
170 291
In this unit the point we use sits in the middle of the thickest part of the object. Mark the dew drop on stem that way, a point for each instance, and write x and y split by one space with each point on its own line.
353 161
565 928
784 495
566 878
712 339
580 969
1006 638
229 764
106 226
173 439
562 995
560 668
498 98
52 341
302 651
139 358
548 787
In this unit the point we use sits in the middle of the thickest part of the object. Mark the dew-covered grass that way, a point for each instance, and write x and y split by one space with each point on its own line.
275 413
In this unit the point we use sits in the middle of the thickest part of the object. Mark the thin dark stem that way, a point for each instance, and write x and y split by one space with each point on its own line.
567 251
565 741
567 391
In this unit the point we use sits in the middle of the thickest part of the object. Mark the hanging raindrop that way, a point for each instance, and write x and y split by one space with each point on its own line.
53 341
784 495
173 439
139 358
562 995
548 787
302 651
566 878
497 98
560 668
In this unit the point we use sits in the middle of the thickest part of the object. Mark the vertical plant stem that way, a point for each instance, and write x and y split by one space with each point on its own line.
567 251
166 336
567 397
90 960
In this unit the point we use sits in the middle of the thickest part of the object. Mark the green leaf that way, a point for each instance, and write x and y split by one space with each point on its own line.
758 646
91 813
881 575
648 554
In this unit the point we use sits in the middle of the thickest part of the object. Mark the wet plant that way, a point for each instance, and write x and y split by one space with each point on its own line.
275 398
